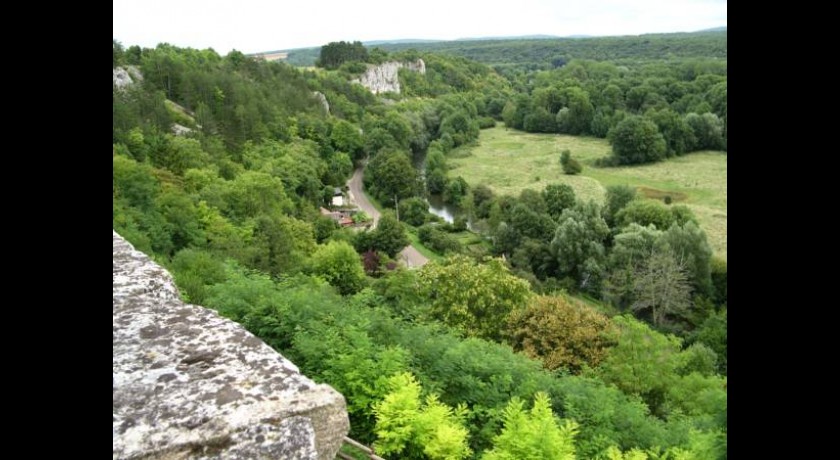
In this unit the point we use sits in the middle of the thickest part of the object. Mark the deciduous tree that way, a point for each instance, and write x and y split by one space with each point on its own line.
578 244
388 236
473 297
618 196
643 362
661 285
560 332
340 266
636 140
391 175
558 197
334 54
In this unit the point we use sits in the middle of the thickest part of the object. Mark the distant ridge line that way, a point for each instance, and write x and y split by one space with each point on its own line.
401 41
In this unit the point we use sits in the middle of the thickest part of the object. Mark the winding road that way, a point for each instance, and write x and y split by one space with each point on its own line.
410 254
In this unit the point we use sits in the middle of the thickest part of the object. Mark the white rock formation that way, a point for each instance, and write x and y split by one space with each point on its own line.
323 99
126 76
180 130
385 77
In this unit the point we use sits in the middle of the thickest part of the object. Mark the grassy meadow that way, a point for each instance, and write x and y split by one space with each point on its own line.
509 161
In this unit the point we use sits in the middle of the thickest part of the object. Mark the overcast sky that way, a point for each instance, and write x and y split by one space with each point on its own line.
261 25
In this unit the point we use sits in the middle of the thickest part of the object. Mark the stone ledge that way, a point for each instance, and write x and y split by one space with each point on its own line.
191 384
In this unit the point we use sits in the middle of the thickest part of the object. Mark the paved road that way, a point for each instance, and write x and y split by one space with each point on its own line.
358 196
410 254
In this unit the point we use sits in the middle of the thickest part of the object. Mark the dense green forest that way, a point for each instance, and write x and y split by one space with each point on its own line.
548 53
564 329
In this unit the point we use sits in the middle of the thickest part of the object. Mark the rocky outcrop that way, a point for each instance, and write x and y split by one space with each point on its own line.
180 130
417 66
385 77
323 100
126 76
188 383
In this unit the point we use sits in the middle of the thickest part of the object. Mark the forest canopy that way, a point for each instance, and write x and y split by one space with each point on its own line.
544 326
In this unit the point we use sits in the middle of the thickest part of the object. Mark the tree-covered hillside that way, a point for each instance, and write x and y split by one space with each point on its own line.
547 53
556 328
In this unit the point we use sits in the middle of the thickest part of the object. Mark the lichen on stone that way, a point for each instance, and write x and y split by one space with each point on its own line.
188 383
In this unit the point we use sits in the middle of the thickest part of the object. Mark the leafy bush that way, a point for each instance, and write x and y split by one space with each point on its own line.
533 434
414 211
354 67
415 429
438 240
360 217
572 167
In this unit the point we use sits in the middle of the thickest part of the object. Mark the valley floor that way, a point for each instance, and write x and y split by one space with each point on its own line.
509 161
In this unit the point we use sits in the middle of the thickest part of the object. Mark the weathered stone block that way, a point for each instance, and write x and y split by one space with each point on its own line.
191 384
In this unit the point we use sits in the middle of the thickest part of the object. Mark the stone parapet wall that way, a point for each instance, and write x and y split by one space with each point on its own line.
191 384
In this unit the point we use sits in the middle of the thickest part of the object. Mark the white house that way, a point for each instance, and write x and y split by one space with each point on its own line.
338 197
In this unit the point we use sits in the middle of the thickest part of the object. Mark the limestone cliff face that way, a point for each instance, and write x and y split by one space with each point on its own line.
322 98
191 384
385 77
126 76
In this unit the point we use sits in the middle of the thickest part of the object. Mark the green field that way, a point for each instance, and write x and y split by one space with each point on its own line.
508 161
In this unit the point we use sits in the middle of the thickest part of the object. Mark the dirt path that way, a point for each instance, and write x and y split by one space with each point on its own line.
412 257
410 254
